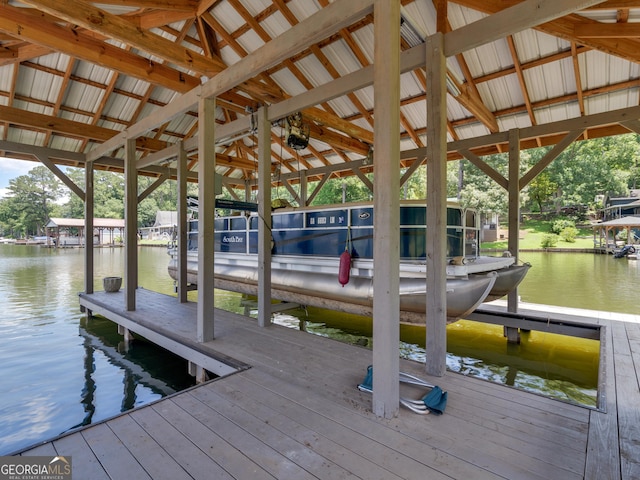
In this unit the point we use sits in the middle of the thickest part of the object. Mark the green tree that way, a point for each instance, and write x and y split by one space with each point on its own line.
108 195
30 201
541 190
332 191
479 191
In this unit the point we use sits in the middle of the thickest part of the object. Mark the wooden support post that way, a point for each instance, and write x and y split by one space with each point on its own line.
88 225
206 213
436 312
131 224
264 218
126 333
198 372
303 188
514 209
247 190
182 223
386 198
512 334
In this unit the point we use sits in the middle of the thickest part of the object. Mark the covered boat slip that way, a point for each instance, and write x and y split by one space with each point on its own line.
307 249
296 413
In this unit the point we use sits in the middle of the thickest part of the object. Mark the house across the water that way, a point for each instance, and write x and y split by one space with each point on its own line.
70 232
620 224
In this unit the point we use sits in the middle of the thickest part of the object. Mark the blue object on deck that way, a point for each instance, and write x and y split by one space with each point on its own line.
433 402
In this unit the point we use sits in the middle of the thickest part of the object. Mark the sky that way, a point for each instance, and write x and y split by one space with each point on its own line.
10 169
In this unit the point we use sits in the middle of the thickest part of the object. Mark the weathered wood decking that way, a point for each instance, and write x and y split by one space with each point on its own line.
295 413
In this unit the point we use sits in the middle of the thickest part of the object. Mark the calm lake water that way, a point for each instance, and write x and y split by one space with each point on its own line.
61 371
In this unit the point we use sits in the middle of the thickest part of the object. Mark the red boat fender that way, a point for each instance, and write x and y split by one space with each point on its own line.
345 268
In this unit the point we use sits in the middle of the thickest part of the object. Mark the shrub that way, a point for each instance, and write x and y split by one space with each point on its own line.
569 234
549 240
560 224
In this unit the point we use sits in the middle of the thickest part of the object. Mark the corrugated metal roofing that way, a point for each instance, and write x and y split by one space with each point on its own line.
83 92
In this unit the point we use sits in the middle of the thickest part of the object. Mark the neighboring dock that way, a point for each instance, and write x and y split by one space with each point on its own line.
291 410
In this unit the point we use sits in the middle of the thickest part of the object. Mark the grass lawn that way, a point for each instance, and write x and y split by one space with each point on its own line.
153 242
532 232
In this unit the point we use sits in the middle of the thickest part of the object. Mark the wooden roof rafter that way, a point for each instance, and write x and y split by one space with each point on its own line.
163 18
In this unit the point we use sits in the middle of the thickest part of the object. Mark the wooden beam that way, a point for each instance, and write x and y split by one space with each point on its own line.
615 5
386 200
548 130
564 28
607 30
363 178
178 5
206 213
550 157
157 18
151 188
485 168
72 128
337 140
442 19
28 25
131 225
318 26
78 12
264 218
318 187
632 125
472 102
514 208
436 251
523 85
164 114
337 123
311 30
21 53
182 233
527 14
63 178
88 228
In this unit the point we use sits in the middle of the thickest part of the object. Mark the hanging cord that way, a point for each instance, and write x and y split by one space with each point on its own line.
254 130
348 244
299 181
279 171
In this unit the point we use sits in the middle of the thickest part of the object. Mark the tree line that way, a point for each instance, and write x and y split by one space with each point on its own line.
581 175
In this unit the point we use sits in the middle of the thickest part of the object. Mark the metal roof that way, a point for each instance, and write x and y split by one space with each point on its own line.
79 223
85 82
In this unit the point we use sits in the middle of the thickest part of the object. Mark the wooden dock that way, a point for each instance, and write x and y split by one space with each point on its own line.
292 411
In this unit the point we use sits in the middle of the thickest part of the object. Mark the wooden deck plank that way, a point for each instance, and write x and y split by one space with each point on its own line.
114 457
297 414
84 462
262 454
433 444
549 413
331 451
182 450
314 366
633 334
628 396
307 459
603 454
233 460
345 438
151 456
46 449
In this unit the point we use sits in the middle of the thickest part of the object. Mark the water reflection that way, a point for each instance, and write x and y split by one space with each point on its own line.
58 370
